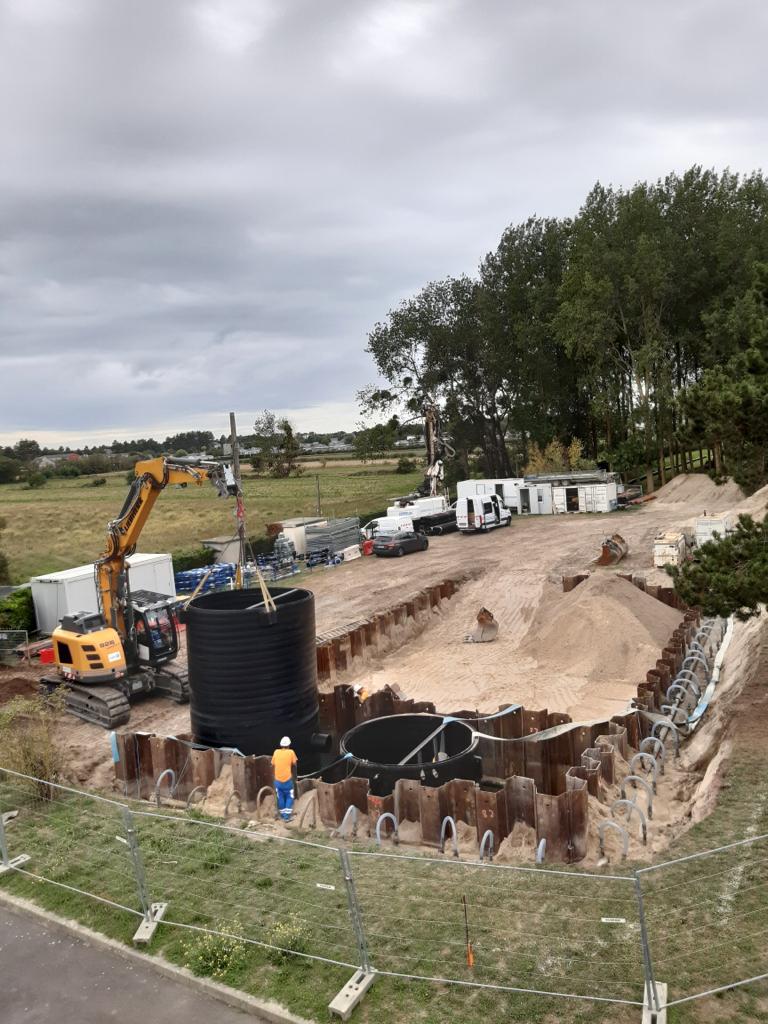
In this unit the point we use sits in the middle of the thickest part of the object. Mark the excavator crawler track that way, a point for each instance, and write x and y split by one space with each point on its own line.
174 685
101 705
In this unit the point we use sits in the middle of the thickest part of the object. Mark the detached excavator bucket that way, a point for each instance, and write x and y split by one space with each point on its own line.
614 549
487 629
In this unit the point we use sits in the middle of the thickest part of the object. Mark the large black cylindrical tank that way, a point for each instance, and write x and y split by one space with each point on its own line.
379 744
252 676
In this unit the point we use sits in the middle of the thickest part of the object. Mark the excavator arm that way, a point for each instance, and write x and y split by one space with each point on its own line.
123 532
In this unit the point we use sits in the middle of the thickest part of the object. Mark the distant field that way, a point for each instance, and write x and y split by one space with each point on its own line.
62 524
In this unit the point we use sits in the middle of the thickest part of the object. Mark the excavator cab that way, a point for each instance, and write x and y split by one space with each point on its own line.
157 637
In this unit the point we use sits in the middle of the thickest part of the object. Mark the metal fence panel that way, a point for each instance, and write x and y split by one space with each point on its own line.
272 891
73 840
531 930
11 642
706 919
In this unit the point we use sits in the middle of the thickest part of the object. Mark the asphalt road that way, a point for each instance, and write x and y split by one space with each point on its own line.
48 974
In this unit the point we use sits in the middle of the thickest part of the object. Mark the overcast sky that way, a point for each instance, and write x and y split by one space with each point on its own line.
206 204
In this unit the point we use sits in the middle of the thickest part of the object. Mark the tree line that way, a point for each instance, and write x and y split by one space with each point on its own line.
638 327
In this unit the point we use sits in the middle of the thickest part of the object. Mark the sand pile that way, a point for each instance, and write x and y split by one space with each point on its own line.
606 629
699 489
754 506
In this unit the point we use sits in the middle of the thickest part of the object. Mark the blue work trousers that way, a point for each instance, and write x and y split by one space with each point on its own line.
284 793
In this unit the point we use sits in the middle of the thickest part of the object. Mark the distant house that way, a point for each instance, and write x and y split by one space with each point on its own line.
51 461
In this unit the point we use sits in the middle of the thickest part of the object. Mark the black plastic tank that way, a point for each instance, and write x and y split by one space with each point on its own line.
253 676
437 754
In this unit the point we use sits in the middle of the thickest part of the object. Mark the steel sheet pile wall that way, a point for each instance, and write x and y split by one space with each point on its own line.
540 775
341 650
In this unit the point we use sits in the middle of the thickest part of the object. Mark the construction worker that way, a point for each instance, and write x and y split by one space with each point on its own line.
360 692
284 764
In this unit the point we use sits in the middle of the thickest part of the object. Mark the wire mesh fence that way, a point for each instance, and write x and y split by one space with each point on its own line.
499 926
699 921
706 918
273 891
14 646
73 840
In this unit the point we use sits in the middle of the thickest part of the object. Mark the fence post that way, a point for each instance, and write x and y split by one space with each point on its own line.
652 996
354 911
6 864
347 999
152 912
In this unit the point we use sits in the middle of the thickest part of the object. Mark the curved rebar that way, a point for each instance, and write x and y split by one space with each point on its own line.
487 838
454 836
607 823
692 680
260 798
685 695
197 789
229 801
695 659
657 751
669 725
642 757
635 780
631 807
680 723
160 777
351 812
384 817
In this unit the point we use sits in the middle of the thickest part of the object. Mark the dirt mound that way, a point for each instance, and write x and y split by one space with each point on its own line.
15 686
698 488
755 505
605 629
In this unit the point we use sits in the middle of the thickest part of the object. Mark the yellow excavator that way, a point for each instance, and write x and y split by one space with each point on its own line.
106 659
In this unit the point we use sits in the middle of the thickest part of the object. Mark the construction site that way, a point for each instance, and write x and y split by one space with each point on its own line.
535 697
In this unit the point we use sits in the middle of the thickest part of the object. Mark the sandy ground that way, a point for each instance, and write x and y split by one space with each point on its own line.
516 573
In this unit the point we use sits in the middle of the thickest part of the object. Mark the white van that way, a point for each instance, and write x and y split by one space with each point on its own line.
387 524
481 512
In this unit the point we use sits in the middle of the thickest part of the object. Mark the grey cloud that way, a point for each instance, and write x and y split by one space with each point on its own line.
205 204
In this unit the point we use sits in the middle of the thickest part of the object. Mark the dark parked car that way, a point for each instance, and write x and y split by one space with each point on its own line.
399 543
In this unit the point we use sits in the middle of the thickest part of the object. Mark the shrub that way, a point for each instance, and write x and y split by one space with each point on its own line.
28 737
214 955
196 558
405 465
17 611
35 480
290 934
98 481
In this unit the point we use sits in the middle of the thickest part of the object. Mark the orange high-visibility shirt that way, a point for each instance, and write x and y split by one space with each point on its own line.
283 760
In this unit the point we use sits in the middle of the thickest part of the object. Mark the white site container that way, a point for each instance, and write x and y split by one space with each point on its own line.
507 489
535 499
721 523
598 497
74 590
669 549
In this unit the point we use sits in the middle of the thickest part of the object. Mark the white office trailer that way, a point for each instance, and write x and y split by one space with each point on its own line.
507 490
74 590
714 527
546 494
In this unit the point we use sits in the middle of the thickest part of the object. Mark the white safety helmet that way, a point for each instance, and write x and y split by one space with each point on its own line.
285 741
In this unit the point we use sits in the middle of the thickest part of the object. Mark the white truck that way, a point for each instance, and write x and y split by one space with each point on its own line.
481 512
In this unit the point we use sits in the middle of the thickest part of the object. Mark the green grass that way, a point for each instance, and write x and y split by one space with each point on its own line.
63 524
